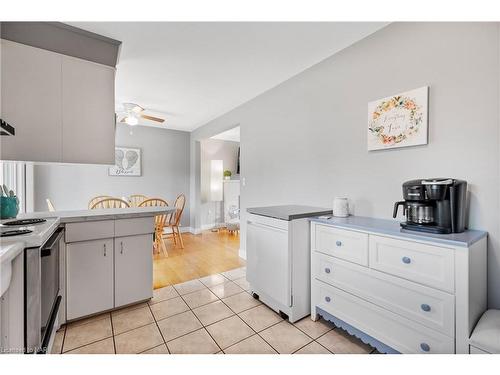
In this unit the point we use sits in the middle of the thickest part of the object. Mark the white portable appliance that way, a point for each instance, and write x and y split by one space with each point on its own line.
278 257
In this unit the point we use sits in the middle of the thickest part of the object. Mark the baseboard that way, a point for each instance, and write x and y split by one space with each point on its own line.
242 253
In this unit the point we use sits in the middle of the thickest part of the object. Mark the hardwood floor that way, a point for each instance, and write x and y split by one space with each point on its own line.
203 254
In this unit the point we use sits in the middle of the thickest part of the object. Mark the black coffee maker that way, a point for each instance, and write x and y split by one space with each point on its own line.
435 205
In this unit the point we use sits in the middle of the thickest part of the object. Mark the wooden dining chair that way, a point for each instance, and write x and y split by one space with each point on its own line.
136 199
97 199
175 220
160 222
110 203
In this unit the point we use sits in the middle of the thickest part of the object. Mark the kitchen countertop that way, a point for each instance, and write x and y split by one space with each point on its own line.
289 212
392 228
99 214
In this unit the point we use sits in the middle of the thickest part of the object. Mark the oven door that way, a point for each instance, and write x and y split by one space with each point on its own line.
49 261
42 293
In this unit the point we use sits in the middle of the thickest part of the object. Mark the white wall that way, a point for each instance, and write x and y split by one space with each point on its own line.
305 141
165 172
214 149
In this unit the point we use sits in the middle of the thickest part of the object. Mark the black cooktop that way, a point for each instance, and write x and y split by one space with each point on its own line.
14 232
25 222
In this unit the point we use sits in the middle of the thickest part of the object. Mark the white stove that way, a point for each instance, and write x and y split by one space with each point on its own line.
33 233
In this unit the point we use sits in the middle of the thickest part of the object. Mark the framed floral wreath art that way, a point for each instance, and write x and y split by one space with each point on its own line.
398 121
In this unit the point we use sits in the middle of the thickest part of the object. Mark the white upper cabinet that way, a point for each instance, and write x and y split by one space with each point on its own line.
31 102
62 108
88 115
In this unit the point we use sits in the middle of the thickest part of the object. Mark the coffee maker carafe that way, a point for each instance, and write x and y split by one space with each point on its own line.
435 205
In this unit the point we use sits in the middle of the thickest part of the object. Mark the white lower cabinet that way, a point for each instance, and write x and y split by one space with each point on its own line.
89 277
103 274
411 295
133 269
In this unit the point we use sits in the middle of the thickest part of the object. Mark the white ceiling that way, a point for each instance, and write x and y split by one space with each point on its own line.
229 135
194 72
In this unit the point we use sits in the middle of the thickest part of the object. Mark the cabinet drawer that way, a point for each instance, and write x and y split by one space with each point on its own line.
131 227
430 307
90 230
425 264
344 244
393 330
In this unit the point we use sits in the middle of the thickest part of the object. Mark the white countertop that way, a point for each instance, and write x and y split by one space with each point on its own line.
99 214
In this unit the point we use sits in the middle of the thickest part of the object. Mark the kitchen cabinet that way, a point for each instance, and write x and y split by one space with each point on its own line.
88 116
62 108
133 269
89 277
109 264
31 102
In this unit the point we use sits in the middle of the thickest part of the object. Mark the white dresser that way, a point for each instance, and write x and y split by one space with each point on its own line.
400 292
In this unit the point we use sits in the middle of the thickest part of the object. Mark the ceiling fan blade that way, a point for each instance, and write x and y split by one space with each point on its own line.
123 119
157 119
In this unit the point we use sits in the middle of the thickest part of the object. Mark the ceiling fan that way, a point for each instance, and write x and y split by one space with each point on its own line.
133 112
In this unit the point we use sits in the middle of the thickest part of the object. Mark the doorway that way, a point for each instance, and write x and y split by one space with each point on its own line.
216 245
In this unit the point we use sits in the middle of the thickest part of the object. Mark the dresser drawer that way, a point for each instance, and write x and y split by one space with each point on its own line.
425 264
430 307
393 330
344 244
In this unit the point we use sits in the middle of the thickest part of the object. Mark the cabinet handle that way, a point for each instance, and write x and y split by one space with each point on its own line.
327 299
121 247
327 270
104 249
425 307
425 347
338 243
406 260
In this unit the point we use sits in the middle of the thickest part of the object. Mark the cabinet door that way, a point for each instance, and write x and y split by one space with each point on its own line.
89 277
31 103
133 269
88 112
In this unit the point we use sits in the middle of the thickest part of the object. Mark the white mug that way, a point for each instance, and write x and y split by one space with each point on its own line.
340 207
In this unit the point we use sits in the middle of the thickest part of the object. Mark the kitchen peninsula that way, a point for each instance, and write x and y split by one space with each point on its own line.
96 260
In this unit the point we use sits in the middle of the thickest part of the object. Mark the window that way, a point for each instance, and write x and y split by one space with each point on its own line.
17 176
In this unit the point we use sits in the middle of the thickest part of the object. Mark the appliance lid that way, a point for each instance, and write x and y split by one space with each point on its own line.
438 181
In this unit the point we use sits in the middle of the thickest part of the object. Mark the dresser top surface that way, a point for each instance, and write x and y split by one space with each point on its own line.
392 228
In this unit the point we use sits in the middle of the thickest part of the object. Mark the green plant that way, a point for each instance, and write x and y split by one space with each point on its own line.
227 173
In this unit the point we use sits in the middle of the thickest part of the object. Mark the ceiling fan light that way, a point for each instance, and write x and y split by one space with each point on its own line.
131 120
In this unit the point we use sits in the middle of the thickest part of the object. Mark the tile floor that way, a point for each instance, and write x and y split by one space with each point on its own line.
214 314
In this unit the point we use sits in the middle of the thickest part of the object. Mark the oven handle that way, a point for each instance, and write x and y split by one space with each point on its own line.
46 249
50 327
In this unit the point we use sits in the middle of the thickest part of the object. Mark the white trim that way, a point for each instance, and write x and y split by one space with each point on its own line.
242 253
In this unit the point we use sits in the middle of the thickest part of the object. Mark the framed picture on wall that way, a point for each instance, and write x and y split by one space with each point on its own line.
127 162
400 120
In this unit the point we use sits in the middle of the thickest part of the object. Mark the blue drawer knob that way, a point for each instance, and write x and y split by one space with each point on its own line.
327 270
425 347
425 307
338 243
406 260
328 299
